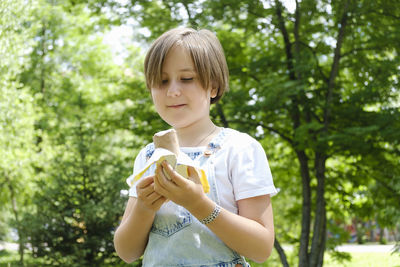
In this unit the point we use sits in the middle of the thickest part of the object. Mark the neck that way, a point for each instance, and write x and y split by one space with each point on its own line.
193 134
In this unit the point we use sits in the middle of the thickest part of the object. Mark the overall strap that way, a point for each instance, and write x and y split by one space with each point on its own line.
149 150
218 142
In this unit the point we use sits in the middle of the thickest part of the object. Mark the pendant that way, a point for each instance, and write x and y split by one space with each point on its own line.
207 153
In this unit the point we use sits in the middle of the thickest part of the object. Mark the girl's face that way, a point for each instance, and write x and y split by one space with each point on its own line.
180 100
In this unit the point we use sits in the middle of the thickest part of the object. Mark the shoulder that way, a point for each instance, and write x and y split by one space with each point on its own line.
145 152
239 140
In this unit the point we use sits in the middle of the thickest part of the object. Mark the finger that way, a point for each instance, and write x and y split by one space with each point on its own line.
157 204
159 183
153 197
145 190
176 178
167 183
194 175
159 176
144 182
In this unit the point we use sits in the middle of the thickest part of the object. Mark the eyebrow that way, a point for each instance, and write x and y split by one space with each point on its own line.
186 69
182 70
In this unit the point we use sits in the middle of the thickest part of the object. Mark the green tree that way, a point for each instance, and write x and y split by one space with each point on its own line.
86 143
321 80
17 117
317 84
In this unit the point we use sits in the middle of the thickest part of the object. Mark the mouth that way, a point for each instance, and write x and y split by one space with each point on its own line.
176 106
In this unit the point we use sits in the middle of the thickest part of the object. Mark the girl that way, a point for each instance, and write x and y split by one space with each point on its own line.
186 71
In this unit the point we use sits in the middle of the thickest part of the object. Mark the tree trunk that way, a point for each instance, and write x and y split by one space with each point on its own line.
42 64
301 155
17 222
315 257
319 233
281 253
306 210
222 115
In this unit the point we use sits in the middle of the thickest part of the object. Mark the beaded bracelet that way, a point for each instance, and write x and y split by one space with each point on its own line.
212 216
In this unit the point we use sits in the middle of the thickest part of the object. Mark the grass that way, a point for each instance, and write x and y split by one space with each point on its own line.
358 259
366 259
11 259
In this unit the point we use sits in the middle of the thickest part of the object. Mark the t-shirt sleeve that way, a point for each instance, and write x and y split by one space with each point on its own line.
140 163
250 172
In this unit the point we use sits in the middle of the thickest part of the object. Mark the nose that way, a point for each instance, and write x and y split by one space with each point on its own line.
173 89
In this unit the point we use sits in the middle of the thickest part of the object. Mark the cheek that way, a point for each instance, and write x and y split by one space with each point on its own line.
156 96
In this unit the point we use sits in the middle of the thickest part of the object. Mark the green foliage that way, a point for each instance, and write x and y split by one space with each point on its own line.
289 89
17 117
71 120
80 133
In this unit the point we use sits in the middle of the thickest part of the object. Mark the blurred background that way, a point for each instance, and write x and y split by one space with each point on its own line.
315 81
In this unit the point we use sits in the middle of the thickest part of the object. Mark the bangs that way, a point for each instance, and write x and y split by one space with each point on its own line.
206 53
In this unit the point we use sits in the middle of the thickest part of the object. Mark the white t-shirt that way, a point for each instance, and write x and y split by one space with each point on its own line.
241 168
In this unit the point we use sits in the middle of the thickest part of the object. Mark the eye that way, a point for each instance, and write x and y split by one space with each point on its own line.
187 79
164 81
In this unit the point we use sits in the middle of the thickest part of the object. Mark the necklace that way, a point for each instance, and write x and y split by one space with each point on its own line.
213 130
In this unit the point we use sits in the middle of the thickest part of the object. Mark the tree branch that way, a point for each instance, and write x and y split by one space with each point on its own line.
221 114
255 14
190 18
385 14
295 114
324 77
335 65
350 52
281 253
271 129
389 188
296 35
282 135
285 35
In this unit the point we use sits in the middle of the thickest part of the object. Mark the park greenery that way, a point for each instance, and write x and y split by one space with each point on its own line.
316 82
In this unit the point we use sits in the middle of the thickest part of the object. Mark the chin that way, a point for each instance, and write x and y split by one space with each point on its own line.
178 125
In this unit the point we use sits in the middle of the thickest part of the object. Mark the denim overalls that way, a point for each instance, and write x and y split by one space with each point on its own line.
177 238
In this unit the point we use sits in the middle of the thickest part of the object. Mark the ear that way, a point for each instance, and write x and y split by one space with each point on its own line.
214 91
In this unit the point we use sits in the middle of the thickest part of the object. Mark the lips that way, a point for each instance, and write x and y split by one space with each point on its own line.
176 106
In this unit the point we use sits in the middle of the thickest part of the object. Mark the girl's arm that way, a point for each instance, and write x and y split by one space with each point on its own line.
251 233
130 238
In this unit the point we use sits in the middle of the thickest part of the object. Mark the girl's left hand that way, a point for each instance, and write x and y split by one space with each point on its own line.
182 191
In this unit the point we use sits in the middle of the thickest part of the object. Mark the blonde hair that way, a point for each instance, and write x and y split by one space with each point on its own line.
205 50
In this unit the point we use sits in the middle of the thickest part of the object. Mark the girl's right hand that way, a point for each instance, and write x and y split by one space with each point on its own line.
147 198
